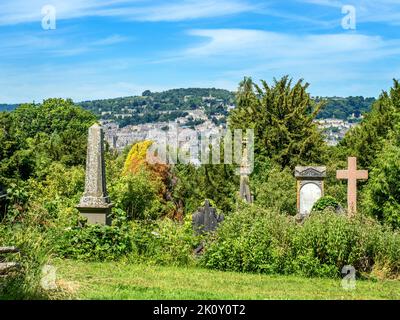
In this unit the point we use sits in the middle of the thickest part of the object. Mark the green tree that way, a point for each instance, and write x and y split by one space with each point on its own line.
366 140
35 135
282 117
381 196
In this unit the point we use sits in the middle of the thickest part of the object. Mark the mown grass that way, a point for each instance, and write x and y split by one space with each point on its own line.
119 281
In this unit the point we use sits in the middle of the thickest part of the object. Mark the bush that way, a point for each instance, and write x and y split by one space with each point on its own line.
250 241
34 254
277 192
325 203
138 195
95 243
261 241
164 242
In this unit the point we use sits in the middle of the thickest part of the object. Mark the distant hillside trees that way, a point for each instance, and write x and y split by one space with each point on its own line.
344 108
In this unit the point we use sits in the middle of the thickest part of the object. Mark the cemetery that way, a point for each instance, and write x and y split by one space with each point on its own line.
293 213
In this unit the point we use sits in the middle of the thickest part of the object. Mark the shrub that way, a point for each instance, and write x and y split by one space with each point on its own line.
325 203
34 254
277 192
250 241
261 241
95 243
165 242
138 195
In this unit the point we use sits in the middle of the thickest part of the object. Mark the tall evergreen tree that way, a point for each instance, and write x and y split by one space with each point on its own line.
282 118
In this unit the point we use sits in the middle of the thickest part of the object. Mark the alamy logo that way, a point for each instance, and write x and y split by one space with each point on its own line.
349 279
49 277
49 19
220 147
349 20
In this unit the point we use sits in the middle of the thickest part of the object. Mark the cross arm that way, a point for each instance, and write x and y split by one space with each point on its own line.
342 174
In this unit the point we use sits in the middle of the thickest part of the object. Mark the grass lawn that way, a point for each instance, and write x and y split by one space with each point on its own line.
127 281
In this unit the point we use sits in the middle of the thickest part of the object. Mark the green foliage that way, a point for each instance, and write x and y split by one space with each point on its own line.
95 243
164 242
138 195
326 203
261 241
381 196
276 190
344 108
366 140
34 254
218 183
162 106
282 116
35 135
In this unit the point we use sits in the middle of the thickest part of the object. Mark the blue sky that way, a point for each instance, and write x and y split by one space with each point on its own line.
113 48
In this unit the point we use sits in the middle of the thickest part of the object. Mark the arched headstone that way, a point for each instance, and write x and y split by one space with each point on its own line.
309 194
310 187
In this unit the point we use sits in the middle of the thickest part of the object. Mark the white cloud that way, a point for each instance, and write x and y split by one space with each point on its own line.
281 46
382 11
114 39
337 61
22 11
19 44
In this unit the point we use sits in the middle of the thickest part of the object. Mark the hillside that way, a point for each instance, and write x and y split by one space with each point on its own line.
169 105
7 107
161 106
172 104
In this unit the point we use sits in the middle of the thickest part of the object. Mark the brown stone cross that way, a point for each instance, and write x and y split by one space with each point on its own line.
352 175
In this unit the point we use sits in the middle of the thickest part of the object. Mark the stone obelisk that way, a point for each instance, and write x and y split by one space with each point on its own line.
95 204
245 192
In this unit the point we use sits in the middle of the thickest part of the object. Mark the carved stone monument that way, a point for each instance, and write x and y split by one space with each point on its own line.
310 187
245 192
95 204
206 219
352 175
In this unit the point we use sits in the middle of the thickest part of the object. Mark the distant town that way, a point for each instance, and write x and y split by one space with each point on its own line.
191 124
193 112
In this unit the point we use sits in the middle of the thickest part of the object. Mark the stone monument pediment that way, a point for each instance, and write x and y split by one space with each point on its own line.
310 172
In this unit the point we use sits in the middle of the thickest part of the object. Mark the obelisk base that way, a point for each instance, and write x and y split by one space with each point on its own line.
97 215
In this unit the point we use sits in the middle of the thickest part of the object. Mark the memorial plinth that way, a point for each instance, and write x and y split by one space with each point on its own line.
95 204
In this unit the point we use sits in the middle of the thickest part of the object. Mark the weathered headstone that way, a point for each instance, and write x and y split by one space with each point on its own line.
206 219
245 192
95 204
3 196
352 175
310 187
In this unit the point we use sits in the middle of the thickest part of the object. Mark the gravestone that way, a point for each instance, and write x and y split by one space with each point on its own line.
206 219
310 187
244 191
352 175
3 196
95 204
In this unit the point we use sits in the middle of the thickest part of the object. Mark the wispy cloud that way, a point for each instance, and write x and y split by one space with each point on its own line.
275 45
382 11
22 11
114 39
328 61
65 45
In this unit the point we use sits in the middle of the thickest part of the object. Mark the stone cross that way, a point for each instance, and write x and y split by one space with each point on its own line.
352 175
95 204
206 219
310 187
245 192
